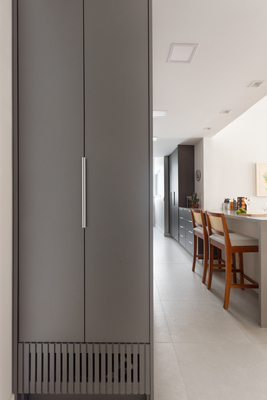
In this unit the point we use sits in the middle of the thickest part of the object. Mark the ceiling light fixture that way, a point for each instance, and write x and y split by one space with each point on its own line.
160 114
182 52
255 84
207 128
225 111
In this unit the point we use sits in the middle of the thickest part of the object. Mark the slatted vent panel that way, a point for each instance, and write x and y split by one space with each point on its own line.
67 368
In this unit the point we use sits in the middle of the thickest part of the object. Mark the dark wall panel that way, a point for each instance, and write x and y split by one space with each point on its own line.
181 179
186 173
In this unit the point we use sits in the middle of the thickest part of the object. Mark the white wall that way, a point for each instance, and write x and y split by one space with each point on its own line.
159 199
5 202
230 158
229 165
199 185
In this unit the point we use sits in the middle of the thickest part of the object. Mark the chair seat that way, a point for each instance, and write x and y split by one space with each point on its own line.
236 239
198 229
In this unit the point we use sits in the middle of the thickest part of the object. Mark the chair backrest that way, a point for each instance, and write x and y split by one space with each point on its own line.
197 218
217 224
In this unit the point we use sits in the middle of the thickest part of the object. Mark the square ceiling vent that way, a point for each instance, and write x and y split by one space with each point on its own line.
182 52
255 84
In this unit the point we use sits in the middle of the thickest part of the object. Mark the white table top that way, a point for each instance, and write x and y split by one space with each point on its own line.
234 215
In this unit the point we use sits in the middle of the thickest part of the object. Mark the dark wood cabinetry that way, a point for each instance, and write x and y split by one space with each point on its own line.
181 185
173 171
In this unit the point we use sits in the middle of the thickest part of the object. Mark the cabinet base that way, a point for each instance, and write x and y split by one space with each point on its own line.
81 397
83 369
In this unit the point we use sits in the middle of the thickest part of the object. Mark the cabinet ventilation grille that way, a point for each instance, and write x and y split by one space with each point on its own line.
87 368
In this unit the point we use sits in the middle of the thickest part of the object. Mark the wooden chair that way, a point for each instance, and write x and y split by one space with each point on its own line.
230 243
200 230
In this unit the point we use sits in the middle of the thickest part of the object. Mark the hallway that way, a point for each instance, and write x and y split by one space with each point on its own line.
203 352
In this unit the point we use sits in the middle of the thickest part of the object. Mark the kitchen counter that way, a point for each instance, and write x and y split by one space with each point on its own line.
254 226
233 214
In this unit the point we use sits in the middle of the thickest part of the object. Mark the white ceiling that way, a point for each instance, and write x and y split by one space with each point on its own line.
232 37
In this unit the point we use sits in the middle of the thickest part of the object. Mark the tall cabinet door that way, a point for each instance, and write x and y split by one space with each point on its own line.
50 140
173 171
117 151
176 194
171 183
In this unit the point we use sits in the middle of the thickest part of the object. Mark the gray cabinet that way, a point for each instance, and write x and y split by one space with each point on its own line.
182 227
83 92
186 234
117 147
181 185
50 147
189 234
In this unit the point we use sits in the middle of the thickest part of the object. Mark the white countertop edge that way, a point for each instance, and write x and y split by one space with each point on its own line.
234 215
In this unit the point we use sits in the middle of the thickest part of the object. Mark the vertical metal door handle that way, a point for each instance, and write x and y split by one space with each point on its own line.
83 192
174 198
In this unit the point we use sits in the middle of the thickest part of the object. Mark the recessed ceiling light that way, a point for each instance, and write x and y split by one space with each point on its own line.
207 128
182 52
155 138
225 111
159 114
255 84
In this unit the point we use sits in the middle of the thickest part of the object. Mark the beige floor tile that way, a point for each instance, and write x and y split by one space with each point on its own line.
263 349
243 305
170 257
171 271
169 384
222 354
183 290
192 322
156 292
198 269
223 371
161 330
255 334
245 313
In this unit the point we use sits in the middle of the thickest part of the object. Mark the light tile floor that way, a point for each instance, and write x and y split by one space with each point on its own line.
203 352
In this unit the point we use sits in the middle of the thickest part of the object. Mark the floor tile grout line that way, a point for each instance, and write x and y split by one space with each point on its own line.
166 322
181 372
157 290
165 262
172 343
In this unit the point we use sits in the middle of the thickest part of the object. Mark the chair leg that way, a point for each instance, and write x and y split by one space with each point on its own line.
211 260
241 267
206 254
228 276
234 268
219 255
195 254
